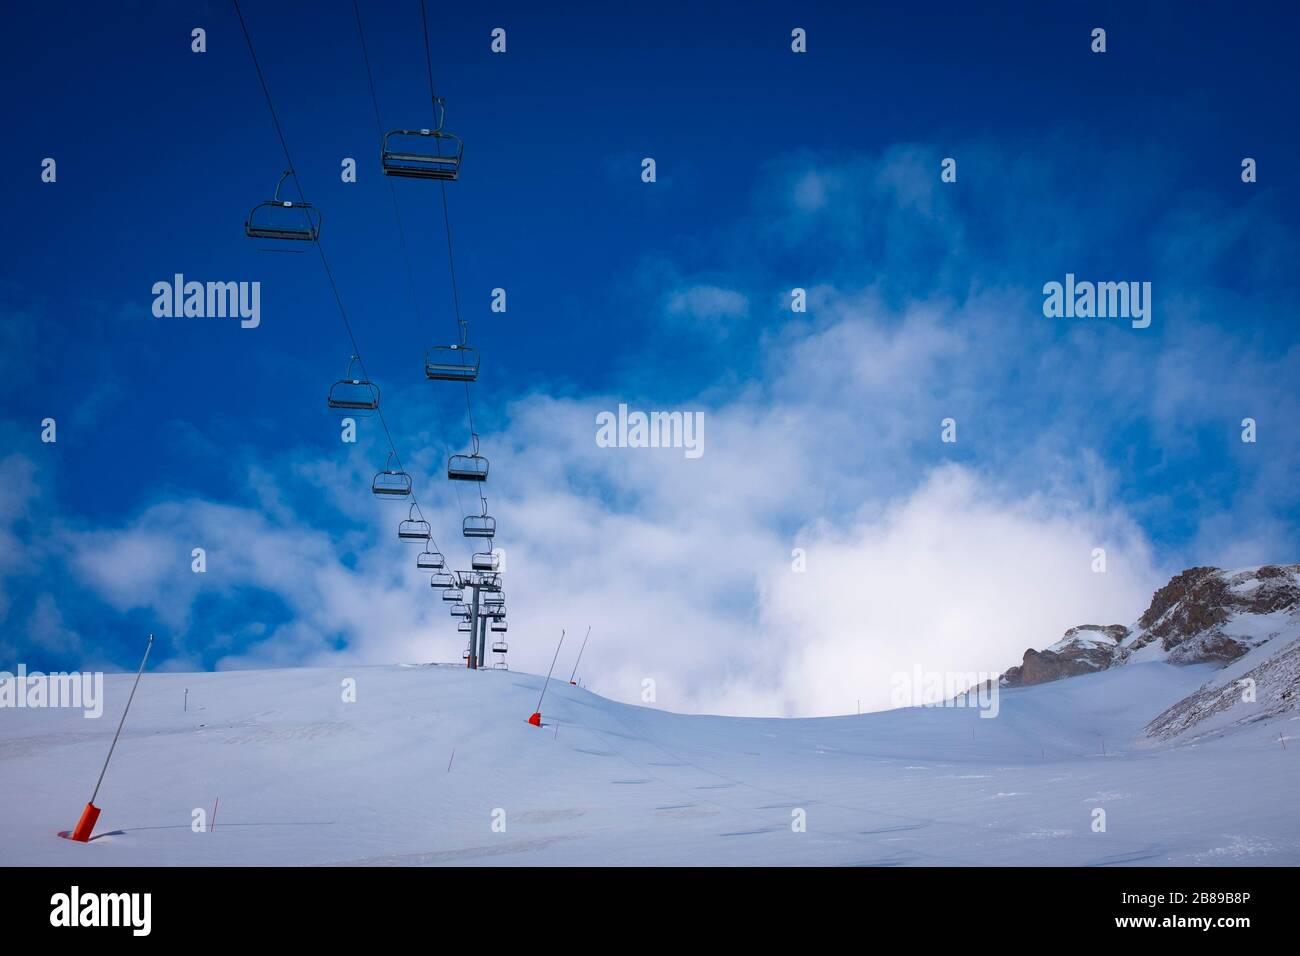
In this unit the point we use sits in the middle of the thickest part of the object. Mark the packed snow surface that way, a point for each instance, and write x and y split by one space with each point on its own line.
304 778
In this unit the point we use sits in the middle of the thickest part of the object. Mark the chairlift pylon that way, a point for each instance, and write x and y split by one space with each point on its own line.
399 156
352 394
389 483
278 218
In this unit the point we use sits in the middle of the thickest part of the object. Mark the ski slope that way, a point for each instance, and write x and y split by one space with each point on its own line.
304 778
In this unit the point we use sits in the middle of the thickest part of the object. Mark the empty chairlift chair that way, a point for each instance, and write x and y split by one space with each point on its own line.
442 579
423 153
430 561
471 467
494 599
499 627
453 595
485 561
451 363
352 394
460 610
413 528
281 219
480 526
463 627
391 484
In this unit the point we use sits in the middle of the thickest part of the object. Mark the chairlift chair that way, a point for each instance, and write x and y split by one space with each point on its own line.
463 627
430 561
399 155
471 467
281 219
460 610
485 561
391 484
353 394
499 646
480 526
442 579
451 363
453 595
498 627
494 599
414 529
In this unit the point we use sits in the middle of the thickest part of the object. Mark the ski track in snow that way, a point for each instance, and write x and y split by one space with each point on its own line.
305 779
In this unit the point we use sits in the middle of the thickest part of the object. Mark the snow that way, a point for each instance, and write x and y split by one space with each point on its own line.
304 778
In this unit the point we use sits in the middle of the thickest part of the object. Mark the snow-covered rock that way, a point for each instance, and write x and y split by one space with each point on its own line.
1246 622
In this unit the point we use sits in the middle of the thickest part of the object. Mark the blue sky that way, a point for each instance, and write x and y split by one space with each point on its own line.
775 170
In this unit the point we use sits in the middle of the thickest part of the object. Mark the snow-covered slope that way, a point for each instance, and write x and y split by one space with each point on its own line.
304 778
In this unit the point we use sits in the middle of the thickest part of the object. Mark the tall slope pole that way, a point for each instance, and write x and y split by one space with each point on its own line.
575 663
90 815
536 719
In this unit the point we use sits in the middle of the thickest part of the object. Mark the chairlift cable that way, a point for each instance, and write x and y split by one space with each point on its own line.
462 325
392 190
329 273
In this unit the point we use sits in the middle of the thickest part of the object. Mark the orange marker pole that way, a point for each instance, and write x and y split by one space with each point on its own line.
536 718
90 815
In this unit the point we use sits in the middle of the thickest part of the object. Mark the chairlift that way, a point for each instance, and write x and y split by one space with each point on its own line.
405 154
465 654
428 560
463 627
494 613
499 646
281 219
471 467
453 595
498 627
353 394
489 582
494 599
414 529
442 579
485 561
460 610
389 483
480 526
451 363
